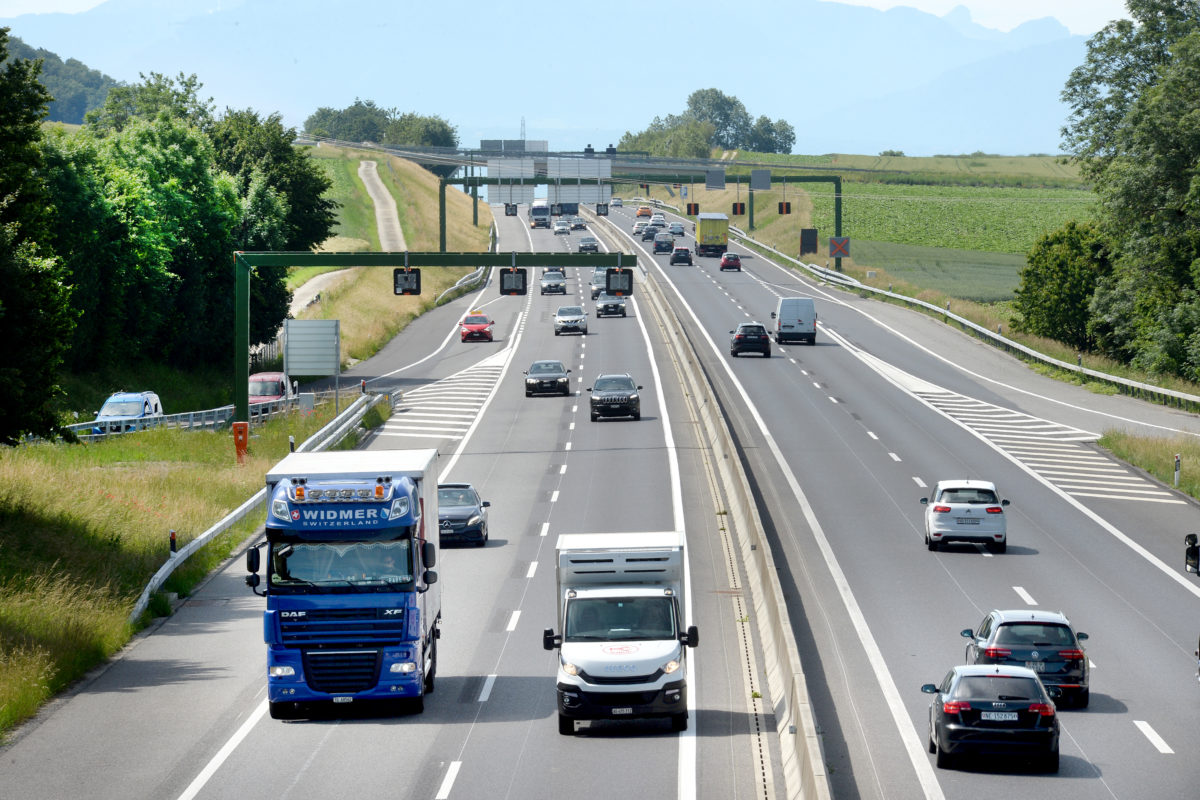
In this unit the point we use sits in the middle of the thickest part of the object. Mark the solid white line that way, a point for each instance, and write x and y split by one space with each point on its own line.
894 456
545 529
448 781
1024 595
919 482
532 569
212 766
554 496
1153 736
486 692
512 621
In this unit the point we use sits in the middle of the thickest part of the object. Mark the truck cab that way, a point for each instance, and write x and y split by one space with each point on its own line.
623 636
353 604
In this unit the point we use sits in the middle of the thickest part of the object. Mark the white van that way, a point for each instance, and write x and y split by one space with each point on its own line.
795 320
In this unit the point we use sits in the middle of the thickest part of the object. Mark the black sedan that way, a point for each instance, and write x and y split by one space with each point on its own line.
615 395
993 710
608 305
1043 641
750 337
547 377
462 515
589 244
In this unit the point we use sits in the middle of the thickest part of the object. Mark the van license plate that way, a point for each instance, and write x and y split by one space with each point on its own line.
617 711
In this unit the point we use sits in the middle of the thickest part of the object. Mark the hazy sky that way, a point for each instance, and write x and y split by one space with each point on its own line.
1080 16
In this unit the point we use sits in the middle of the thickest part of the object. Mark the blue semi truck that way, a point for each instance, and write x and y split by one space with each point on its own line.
353 604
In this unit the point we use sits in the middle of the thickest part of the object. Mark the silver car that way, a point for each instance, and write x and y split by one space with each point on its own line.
562 227
570 319
965 511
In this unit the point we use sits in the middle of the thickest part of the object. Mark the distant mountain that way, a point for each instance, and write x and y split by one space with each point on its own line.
75 88
848 78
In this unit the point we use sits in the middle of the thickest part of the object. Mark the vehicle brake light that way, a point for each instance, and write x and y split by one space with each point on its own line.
1071 655
941 509
1044 709
995 510
955 706
997 652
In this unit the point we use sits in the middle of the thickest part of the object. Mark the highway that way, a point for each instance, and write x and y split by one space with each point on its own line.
841 440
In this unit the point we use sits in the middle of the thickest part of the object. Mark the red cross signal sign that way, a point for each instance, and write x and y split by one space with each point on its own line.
839 246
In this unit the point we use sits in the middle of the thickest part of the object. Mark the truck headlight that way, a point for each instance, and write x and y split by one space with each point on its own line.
570 668
670 666
281 672
404 667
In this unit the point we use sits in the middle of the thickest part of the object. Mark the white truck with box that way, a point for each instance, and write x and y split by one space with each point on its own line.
623 641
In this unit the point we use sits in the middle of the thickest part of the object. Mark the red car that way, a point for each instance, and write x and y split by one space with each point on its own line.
731 261
476 325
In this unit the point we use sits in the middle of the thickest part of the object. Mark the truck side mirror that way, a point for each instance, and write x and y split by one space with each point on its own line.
772 315
430 578
549 640
1191 558
429 554
252 560
693 636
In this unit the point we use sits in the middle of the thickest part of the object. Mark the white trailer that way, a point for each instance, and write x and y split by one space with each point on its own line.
624 639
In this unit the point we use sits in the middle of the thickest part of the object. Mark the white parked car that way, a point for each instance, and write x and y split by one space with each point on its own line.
965 511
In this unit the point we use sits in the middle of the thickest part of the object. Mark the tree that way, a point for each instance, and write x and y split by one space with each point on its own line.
414 129
766 136
178 97
363 121
245 145
728 116
23 102
76 89
1135 132
1058 283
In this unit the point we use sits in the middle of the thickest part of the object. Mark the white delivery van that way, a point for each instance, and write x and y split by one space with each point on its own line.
795 320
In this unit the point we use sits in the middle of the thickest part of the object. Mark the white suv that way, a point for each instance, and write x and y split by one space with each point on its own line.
965 511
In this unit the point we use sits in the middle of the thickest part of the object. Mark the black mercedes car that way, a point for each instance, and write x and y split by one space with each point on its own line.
993 710
462 515
547 377
608 305
615 395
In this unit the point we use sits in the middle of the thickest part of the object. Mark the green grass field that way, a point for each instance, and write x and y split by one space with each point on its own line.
967 274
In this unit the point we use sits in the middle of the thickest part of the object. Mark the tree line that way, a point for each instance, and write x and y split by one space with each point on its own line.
116 241
711 119
363 121
1127 284
75 89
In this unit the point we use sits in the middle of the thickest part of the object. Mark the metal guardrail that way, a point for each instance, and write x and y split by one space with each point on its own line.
467 280
1136 389
334 431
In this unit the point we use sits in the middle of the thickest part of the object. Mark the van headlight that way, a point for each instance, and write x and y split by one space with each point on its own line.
569 668
670 666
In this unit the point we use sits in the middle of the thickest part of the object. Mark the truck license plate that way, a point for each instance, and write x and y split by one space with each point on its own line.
343 699
616 711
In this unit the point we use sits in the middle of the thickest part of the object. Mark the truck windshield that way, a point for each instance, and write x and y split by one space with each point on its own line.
341 566
620 619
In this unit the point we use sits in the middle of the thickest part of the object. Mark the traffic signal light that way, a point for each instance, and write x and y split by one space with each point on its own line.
739 209
513 280
693 209
785 207
406 280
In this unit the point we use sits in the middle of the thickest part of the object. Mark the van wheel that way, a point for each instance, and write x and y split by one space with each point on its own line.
566 725
679 722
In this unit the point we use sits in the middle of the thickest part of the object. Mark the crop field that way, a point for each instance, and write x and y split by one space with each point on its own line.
1028 171
994 219
966 274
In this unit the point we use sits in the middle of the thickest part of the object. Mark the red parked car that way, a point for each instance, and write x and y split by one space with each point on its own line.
731 261
476 326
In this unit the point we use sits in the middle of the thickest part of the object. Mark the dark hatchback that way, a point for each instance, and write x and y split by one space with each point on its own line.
993 710
547 377
615 395
750 337
462 515
1042 641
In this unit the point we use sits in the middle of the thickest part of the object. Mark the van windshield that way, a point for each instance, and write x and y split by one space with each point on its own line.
611 619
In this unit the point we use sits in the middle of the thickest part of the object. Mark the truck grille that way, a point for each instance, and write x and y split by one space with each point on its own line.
342 671
334 626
